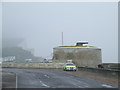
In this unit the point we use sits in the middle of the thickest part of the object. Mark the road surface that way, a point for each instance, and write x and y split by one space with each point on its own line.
41 78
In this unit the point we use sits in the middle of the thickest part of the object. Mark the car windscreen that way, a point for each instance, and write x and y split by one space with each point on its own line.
70 64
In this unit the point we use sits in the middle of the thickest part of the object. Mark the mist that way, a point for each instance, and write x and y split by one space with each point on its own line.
39 26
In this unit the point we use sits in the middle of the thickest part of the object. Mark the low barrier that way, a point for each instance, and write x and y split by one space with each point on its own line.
31 65
103 72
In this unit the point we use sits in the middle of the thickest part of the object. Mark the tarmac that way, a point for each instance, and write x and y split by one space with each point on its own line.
8 79
45 78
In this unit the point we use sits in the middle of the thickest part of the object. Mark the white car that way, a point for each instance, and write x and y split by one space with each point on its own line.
69 67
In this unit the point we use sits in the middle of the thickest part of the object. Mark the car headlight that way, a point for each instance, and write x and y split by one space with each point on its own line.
68 67
74 67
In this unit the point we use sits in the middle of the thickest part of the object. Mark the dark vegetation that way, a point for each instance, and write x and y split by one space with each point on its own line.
18 52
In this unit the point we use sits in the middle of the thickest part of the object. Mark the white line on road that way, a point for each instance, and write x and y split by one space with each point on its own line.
78 86
47 76
44 84
108 86
16 81
85 84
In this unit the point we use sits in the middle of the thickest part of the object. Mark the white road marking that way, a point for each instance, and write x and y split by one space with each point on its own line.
44 84
47 76
78 86
81 87
16 81
108 86
85 84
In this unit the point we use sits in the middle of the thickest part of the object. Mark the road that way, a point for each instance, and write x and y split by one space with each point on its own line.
41 78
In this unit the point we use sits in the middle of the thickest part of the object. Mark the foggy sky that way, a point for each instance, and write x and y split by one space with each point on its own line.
41 24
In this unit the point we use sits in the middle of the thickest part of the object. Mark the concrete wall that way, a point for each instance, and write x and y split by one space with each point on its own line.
82 56
103 72
111 65
31 65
